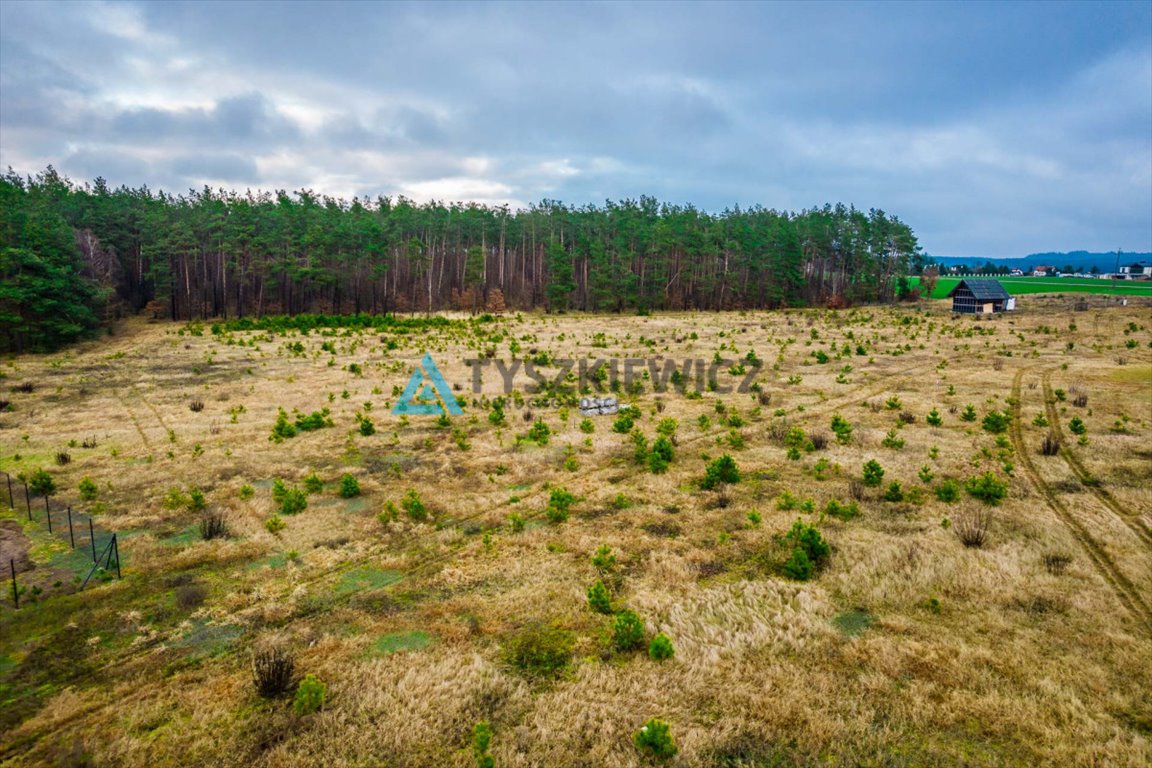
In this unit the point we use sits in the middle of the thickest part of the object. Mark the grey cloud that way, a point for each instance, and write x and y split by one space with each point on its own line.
122 167
222 166
242 119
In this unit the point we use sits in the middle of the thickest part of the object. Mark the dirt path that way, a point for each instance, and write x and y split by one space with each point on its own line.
13 549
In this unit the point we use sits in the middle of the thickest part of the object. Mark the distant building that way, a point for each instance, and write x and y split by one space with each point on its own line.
980 297
1017 272
1044 271
1138 270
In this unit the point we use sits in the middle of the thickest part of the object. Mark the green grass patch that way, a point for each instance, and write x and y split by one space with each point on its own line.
44 547
189 535
355 506
207 639
1135 374
351 506
1024 285
77 562
852 623
401 641
277 560
362 579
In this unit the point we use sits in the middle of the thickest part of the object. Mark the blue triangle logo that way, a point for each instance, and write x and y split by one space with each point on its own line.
427 394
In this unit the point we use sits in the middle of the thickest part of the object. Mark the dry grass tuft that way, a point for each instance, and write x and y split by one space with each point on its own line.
971 527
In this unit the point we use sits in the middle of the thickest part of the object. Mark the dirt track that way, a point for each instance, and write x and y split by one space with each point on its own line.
13 548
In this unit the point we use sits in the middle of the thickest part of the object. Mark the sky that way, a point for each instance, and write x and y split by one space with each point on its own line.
993 129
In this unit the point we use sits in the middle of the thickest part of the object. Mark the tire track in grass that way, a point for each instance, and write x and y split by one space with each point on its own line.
1130 518
155 412
118 391
1127 593
135 422
875 389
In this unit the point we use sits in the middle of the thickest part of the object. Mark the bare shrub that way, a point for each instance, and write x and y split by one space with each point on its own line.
1050 446
874 406
1121 360
196 406
71 754
819 440
213 526
972 527
710 568
540 650
1057 562
907 417
272 668
214 429
528 415
778 431
856 489
721 501
177 580
63 457
764 398
190 596
1080 400
997 363
3 405
1039 605
25 387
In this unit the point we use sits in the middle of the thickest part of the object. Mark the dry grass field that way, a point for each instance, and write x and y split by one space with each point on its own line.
905 647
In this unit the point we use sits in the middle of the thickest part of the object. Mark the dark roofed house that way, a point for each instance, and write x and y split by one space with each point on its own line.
1138 270
980 297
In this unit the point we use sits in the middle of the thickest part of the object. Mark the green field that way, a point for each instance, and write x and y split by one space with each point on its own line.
1018 285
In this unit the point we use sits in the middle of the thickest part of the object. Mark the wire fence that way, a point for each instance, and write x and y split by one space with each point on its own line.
76 527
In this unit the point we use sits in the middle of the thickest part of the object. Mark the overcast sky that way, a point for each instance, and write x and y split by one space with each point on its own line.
992 129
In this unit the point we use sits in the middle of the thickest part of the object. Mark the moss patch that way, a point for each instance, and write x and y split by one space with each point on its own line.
362 579
401 641
852 623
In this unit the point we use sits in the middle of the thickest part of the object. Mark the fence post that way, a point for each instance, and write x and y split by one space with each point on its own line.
27 500
48 514
71 535
116 549
11 498
15 591
92 538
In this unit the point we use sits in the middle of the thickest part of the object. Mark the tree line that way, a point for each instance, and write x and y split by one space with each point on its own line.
72 255
991 268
